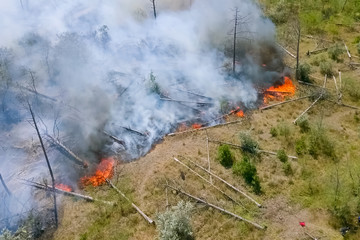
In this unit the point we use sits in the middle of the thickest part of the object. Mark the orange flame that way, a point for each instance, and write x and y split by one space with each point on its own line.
240 114
63 187
280 92
196 126
103 171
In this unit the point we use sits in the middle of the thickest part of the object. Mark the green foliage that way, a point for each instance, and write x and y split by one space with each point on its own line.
352 87
319 142
358 48
335 52
248 171
225 156
356 40
248 145
273 132
300 146
304 72
153 85
311 21
326 68
303 123
284 130
175 224
287 169
224 106
281 154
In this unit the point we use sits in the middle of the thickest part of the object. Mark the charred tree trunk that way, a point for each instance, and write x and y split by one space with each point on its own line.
154 7
234 44
48 164
4 184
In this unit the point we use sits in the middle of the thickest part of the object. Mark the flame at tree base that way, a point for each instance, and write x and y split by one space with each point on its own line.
104 170
280 92
63 187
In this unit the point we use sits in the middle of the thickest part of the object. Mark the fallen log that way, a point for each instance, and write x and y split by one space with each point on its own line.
195 94
60 191
319 50
344 105
134 131
114 138
354 63
216 207
320 39
77 160
347 50
207 181
203 128
277 104
228 184
185 101
132 204
320 96
288 52
208 155
239 147
4 184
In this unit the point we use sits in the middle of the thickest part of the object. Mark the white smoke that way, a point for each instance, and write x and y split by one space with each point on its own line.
94 60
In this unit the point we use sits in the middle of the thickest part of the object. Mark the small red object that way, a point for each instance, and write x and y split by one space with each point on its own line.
302 224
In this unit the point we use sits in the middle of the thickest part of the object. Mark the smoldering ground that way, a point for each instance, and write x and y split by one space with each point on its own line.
107 66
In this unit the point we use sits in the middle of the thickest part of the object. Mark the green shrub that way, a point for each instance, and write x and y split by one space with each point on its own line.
303 123
273 132
287 169
281 154
303 73
335 52
284 130
326 68
248 145
358 48
153 85
225 156
319 142
352 87
300 146
248 171
175 224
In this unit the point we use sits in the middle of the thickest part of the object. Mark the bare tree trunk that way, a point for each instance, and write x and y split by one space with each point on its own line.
4 184
235 29
154 8
298 31
48 164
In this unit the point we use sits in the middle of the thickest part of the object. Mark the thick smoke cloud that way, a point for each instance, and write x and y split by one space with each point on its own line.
106 65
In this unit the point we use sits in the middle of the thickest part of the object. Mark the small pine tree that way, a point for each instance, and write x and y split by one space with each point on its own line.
248 171
281 154
225 156
249 145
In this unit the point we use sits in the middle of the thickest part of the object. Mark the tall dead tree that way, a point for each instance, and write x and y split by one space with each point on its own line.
236 22
47 162
297 29
154 7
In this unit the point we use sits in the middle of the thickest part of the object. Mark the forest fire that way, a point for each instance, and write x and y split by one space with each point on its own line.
104 170
63 187
280 92
196 126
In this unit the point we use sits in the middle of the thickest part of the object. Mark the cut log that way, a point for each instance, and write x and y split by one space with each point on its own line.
228 184
203 128
336 86
288 52
277 104
195 94
344 105
134 131
121 142
207 181
185 101
216 207
319 51
239 147
320 39
347 50
4 184
132 204
208 155
320 96
60 191
77 160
